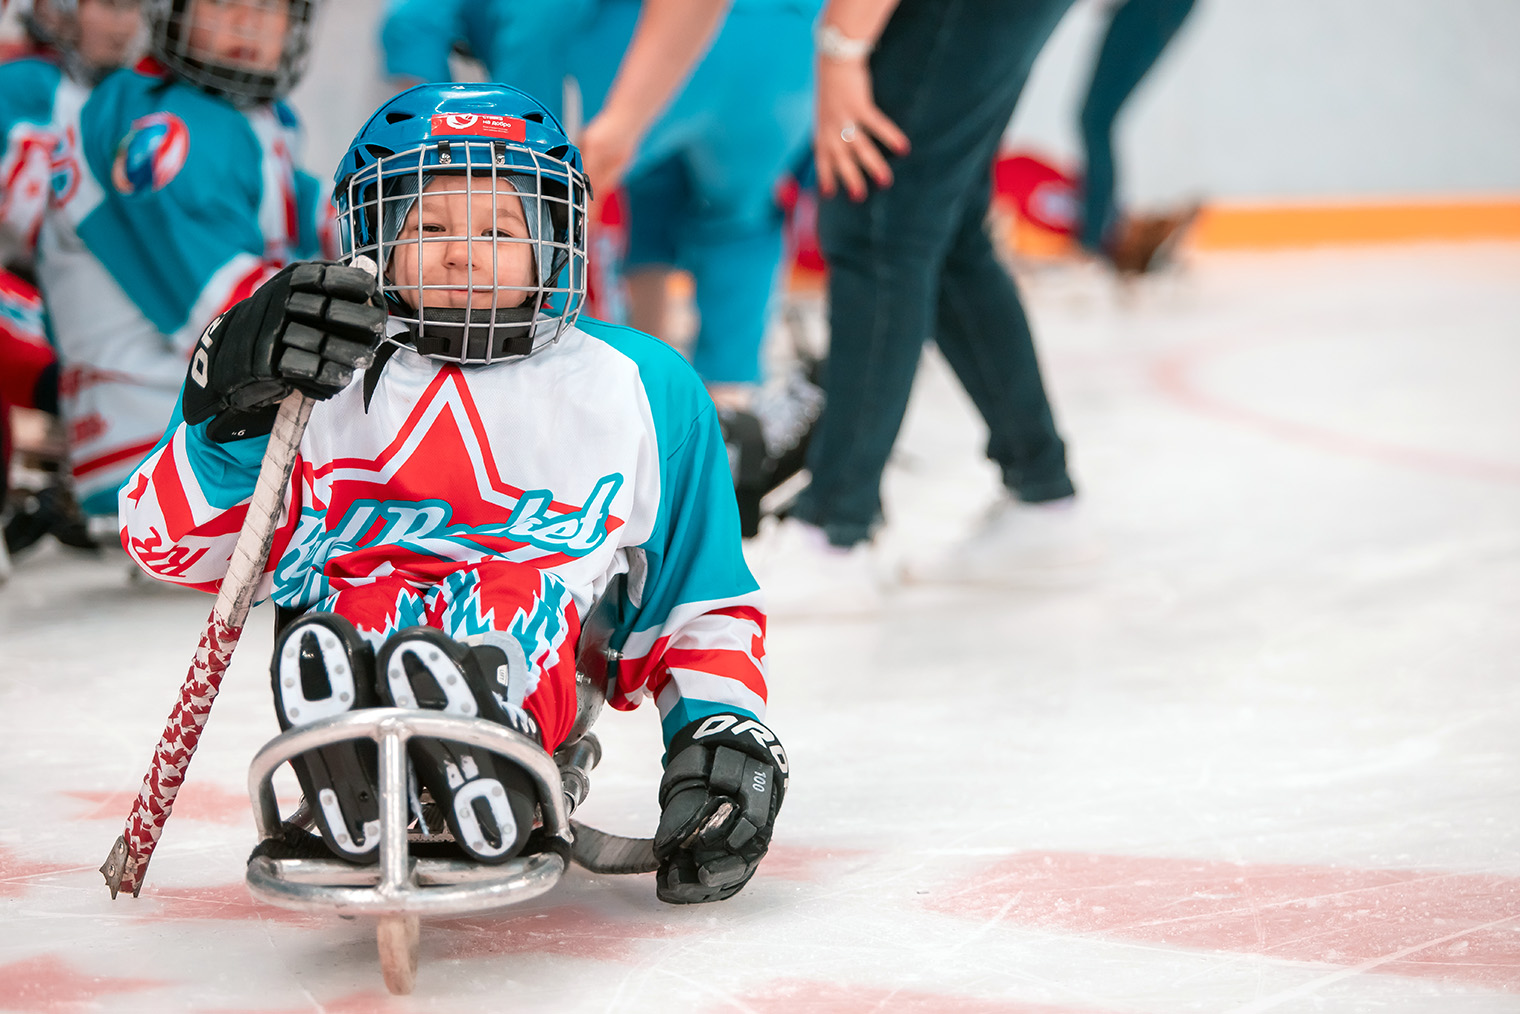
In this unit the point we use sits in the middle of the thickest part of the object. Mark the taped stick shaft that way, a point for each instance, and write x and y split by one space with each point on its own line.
128 862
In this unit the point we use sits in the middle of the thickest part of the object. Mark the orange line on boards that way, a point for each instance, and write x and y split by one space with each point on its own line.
1235 227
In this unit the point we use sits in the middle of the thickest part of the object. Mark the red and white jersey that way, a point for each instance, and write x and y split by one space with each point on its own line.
598 457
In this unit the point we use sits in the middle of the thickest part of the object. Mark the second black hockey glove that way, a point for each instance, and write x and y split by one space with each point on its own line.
724 779
307 328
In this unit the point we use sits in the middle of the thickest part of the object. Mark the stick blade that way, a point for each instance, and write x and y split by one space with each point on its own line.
601 852
120 869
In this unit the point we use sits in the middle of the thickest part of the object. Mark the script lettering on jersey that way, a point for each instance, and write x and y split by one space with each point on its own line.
173 561
426 527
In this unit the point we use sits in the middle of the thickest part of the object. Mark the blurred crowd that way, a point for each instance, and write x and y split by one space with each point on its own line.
733 147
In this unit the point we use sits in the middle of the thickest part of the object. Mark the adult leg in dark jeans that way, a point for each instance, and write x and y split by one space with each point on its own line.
984 336
949 74
1137 35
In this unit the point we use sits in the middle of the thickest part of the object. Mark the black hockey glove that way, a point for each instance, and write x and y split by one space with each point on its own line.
724 779
307 328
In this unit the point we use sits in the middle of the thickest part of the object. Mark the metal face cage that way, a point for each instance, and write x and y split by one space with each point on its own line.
480 242
249 51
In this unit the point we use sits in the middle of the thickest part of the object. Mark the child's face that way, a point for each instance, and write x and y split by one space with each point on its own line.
443 216
245 34
106 31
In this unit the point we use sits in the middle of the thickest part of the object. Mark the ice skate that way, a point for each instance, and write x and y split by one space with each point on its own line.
322 668
1018 544
51 510
802 574
767 434
487 802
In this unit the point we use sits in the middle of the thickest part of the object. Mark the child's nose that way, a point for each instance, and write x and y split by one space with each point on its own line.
472 254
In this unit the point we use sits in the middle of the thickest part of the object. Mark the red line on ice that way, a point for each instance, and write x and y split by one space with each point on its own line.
1462 926
1173 375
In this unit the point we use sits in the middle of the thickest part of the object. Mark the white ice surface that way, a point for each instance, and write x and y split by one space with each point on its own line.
1298 665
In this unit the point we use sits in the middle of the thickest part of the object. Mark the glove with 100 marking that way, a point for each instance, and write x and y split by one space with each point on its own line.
724 779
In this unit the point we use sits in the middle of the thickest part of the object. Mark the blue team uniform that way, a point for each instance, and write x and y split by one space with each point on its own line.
524 42
169 205
702 192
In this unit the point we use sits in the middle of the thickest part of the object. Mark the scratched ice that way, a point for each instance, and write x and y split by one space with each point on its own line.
1265 761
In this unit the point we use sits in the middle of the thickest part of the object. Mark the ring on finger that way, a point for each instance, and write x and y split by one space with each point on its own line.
847 133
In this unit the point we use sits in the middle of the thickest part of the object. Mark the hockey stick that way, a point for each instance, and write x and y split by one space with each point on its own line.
125 867
128 862
601 852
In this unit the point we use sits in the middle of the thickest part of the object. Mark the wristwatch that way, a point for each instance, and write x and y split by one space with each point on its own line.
832 44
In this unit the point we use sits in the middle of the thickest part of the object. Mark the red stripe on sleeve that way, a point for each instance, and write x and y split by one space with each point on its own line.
724 662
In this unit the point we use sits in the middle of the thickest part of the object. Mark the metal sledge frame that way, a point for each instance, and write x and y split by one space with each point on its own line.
401 888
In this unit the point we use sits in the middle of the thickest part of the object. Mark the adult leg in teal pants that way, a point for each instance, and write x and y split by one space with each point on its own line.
702 189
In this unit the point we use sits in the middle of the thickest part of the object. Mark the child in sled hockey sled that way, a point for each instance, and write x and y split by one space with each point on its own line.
481 467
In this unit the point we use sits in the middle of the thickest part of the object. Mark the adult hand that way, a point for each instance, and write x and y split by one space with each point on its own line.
607 147
847 128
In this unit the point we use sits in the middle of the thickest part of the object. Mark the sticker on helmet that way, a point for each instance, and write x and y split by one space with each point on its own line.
509 128
152 153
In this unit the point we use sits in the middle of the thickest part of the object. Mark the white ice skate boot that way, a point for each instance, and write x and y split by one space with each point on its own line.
1018 545
801 574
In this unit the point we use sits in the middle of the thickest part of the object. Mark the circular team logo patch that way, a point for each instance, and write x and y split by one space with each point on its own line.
152 154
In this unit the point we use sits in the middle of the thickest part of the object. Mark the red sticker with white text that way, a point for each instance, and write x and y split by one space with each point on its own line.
480 125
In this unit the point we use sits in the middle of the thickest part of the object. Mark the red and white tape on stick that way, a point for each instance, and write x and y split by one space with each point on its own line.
128 862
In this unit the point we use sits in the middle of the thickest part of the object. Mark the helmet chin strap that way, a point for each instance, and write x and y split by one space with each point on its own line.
474 335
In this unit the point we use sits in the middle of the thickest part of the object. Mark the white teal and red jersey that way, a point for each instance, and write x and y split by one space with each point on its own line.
596 458
168 205
35 97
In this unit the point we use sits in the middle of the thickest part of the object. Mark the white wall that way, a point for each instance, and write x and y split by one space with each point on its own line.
343 83
1292 99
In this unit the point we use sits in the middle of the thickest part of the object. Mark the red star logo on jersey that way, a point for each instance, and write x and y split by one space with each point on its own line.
434 496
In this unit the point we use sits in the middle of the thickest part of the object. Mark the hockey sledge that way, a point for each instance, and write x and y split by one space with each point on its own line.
404 886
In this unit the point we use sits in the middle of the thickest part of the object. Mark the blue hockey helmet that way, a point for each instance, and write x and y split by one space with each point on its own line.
498 151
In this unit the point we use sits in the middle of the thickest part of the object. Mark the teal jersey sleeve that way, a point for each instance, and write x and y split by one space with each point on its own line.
27 87
695 627
182 175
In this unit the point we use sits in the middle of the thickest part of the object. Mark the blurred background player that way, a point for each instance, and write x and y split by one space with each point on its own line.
444 543
701 193
526 42
66 47
176 197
